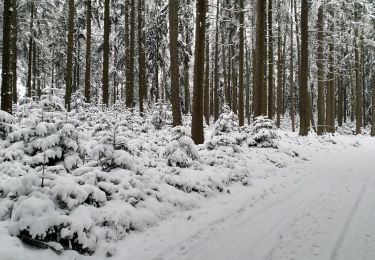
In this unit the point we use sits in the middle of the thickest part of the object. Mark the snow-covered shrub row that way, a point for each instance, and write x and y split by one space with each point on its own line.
76 180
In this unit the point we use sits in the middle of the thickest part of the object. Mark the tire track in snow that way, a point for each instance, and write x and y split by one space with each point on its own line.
348 222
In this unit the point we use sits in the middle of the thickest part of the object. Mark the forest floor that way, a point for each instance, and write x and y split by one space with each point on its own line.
321 208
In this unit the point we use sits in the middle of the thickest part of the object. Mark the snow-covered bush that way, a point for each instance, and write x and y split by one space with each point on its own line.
7 122
226 132
161 115
263 133
227 122
181 151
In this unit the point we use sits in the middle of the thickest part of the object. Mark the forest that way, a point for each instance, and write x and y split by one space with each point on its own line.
127 110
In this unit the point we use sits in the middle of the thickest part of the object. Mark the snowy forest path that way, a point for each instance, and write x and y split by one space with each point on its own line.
327 212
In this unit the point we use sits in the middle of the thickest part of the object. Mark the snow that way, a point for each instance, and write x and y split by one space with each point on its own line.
316 206
91 184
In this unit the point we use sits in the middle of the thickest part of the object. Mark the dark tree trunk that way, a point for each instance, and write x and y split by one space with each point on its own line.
142 56
30 52
259 88
279 76
292 97
197 116
173 38
69 56
216 69
358 89
88 53
106 47
304 69
320 66
14 52
271 105
241 64
207 81
7 63
130 70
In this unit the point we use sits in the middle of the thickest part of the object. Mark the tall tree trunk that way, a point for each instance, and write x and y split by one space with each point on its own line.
320 66
216 72
14 52
330 121
271 104
358 88
106 47
259 88
292 99
187 77
173 39
30 52
130 71
304 69
340 100
197 116
279 74
241 64
247 113
207 80
141 56
7 73
69 56
88 53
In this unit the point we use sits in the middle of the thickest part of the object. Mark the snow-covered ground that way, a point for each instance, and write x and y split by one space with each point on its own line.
319 205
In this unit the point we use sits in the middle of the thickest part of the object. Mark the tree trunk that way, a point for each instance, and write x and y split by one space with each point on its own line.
173 38
106 47
141 56
358 92
187 78
320 66
207 81
292 99
14 52
7 73
259 62
304 73
69 55
197 116
30 52
271 105
330 121
241 64
130 71
216 72
279 75
88 53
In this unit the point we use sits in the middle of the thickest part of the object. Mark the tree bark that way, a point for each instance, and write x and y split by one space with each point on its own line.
259 88
107 28
69 55
197 116
320 66
130 70
88 53
7 73
141 56
241 108
271 105
216 69
304 73
30 52
173 39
